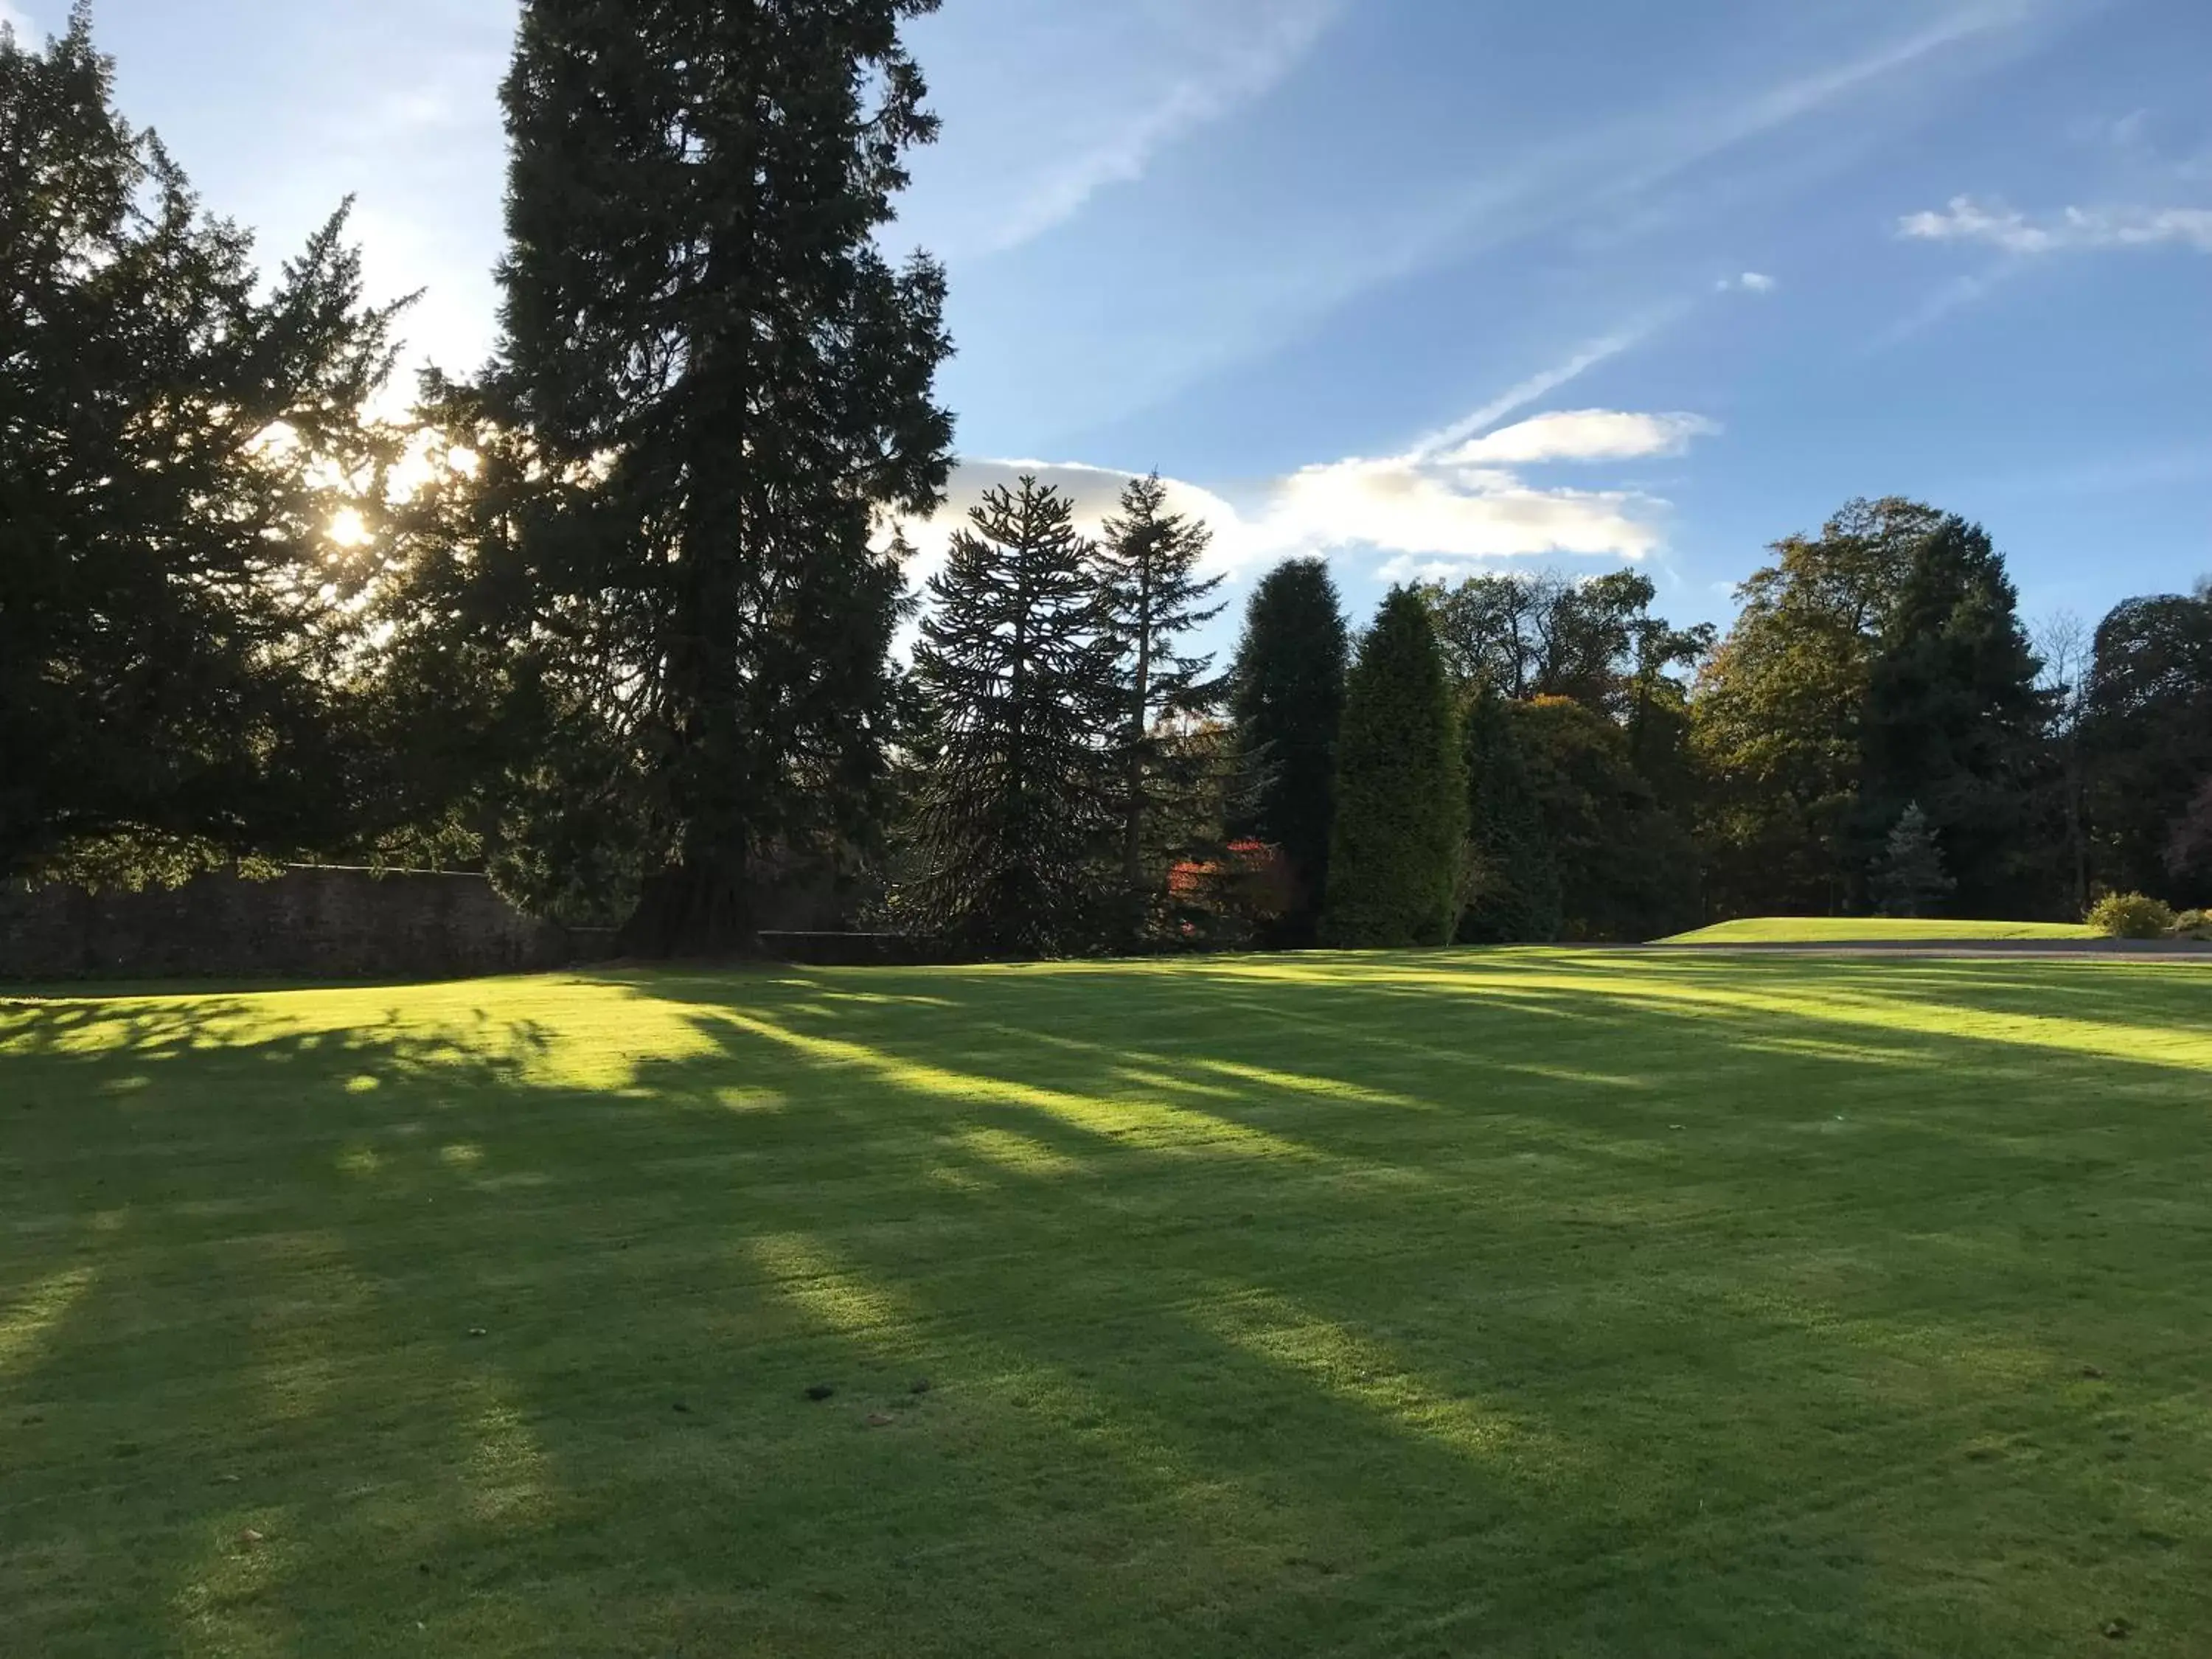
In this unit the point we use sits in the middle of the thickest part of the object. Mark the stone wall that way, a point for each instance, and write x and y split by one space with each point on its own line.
309 923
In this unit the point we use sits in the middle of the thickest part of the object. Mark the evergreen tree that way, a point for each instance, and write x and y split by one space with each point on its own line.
1909 876
724 390
1401 831
1150 596
1014 801
1515 896
1287 699
1953 718
173 598
2146 740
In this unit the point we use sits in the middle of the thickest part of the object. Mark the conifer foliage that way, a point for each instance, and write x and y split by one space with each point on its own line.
1953 715
1397 854
172 598
1909 876
1287 699
725 388
1150 596
1014 803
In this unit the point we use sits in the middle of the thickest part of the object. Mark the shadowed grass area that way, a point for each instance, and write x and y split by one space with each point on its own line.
1515 1303
1875 930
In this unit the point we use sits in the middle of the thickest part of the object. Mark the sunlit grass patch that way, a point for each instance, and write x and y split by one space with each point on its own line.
1500 1302
1875 930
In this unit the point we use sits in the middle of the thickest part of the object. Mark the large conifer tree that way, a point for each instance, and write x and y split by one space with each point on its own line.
725 388
1953 719
1150 596
1287 698
1013 808
1401 818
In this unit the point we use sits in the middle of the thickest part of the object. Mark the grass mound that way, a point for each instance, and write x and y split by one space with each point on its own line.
1875 930
1505 1303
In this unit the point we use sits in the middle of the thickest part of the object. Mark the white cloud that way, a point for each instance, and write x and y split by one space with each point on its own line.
1994 224
1426 506
1750 281
1410 507
14 16
1093 491
1585 434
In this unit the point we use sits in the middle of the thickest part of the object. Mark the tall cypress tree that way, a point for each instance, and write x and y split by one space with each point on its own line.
725 388
1395 855
1287 698
1515 896
1013 808
1953 717
1150 596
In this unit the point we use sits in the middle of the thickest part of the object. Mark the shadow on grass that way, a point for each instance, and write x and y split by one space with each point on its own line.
1480 1305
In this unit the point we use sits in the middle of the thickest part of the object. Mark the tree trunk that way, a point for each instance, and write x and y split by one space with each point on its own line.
701 909
1132 821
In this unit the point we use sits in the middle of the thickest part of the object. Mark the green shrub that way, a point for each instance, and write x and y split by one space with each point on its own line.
2131 915
2194 924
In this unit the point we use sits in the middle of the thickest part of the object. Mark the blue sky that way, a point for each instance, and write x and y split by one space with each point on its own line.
1441 284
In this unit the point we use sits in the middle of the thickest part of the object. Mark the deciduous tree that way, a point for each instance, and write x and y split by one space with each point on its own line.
1778 708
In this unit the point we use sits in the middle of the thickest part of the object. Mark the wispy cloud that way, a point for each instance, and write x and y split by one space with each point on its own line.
14 16
1537 387
1585 434
1204 94
1035 144
2070 229
1750 281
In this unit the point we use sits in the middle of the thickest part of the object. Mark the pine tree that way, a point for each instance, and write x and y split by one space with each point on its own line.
1953 717
1150 596
1909 876
1014 804
726 389
1287 699
173 603
1515 896
1395 855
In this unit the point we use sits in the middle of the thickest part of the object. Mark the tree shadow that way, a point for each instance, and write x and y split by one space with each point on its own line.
1360 1313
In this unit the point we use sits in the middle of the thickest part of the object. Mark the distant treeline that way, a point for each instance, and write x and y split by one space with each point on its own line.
616 619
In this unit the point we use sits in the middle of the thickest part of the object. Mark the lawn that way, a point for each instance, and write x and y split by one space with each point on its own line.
1516 1303
1875 930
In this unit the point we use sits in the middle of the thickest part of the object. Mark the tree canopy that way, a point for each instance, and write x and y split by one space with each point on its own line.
180 449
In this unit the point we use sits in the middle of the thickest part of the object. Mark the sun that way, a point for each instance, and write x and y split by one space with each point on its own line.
349 529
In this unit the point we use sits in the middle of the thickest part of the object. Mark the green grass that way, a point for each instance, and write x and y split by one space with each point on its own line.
1850 930
1526 1304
